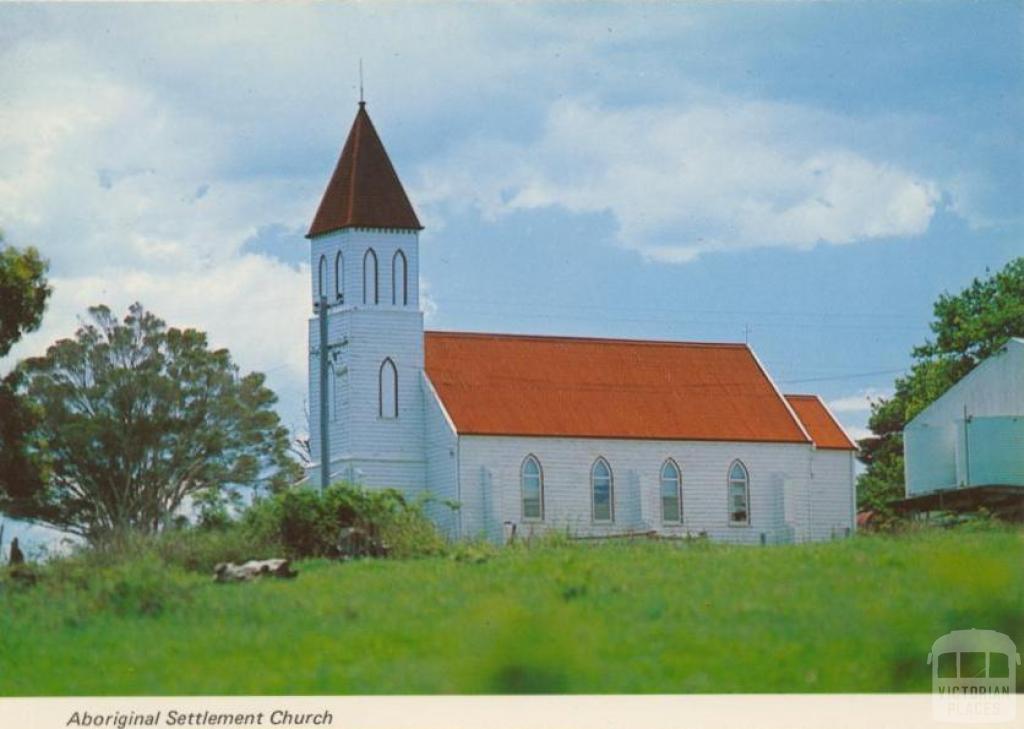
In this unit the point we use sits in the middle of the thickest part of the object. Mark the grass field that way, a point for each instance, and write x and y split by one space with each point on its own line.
852 616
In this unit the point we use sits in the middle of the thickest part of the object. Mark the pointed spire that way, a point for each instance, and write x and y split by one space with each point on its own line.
364 190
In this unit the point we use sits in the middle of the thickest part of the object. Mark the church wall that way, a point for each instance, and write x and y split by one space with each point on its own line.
833 499
441 450
490 487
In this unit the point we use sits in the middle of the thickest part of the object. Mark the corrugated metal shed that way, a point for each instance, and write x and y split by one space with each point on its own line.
973 434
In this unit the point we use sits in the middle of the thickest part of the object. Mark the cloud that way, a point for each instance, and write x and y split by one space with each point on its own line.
717 175
229 301
252 305
101 172
859 402
178 178
428 304
131 196
280 242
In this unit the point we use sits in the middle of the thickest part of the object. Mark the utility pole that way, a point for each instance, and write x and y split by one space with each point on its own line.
325 445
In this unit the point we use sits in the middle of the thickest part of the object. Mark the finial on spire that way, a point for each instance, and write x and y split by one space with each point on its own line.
362 102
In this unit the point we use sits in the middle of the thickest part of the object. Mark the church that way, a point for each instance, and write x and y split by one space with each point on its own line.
528 434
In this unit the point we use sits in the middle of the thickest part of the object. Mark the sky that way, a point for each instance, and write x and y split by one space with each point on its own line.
807 176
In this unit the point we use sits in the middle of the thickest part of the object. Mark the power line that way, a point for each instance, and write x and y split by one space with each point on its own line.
517 305
851 376
828 378
696 322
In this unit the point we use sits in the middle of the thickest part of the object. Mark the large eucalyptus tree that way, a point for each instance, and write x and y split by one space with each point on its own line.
134 419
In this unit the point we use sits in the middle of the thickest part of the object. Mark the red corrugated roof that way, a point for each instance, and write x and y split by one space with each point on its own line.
495 384
819 423
364 190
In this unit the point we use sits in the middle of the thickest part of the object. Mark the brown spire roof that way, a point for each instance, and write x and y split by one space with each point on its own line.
364 190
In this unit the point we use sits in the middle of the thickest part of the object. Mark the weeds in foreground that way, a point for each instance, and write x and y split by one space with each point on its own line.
547 616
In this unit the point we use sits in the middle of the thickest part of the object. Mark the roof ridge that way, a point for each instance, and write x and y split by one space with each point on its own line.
357 133
778 393
835 421
575 338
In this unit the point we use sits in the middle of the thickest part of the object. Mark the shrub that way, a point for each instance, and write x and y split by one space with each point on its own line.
194 549
409 533
307 523
199 550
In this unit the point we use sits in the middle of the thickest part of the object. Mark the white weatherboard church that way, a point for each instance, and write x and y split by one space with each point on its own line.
596 437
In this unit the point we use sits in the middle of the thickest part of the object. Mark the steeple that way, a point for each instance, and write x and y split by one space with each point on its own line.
364 191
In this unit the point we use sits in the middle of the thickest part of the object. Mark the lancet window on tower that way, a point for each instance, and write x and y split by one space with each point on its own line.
388 389
370 277
339 278
399 279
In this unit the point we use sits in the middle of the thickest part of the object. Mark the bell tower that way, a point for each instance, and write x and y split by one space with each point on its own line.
366 328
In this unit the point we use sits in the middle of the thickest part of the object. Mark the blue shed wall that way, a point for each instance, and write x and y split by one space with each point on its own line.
992 452
930 455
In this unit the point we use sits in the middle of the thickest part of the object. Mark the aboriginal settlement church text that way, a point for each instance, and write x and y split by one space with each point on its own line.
596 437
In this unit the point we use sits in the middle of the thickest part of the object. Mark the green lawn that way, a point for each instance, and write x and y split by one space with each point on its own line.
857 615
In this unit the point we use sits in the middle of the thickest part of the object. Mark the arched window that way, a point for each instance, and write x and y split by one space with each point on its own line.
388 389
370 277
321 281
671 493
399 280
532 480
339 278
602 490
739 494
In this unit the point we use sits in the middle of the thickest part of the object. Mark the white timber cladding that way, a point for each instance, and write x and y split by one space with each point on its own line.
353 244
365 447
832 498
817 484
442 454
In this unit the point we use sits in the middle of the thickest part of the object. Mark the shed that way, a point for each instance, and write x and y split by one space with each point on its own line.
972 437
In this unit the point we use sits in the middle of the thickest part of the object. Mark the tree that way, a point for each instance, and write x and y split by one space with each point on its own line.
968 327
137 420
23 295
